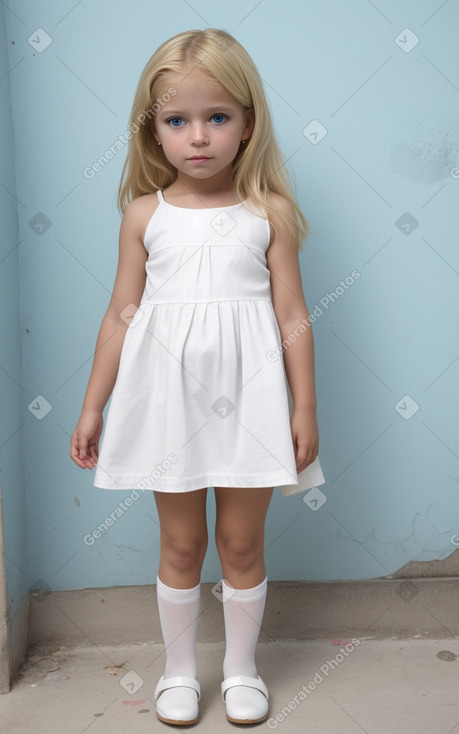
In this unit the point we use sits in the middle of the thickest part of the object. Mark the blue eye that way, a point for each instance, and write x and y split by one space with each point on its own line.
174 119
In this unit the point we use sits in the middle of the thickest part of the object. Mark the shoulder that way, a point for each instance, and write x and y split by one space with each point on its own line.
141 205
138 213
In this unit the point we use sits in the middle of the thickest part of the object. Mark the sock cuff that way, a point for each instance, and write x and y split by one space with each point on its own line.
256 592
180 596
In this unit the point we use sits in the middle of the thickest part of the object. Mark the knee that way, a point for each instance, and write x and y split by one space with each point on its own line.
237 551
183 553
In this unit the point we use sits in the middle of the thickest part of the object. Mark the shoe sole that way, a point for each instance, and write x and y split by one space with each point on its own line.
177 722
246 721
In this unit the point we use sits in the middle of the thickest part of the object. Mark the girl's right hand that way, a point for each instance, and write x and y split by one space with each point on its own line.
84 443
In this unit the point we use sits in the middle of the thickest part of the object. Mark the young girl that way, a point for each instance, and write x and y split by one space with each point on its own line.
208 286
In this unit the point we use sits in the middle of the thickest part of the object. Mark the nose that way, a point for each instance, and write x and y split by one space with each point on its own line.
198 134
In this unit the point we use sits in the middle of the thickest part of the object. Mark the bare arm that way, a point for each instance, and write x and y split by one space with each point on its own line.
299 360
292 315
296 333
127 292
105 365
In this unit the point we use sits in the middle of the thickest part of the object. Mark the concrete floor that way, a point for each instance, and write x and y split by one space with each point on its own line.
395 686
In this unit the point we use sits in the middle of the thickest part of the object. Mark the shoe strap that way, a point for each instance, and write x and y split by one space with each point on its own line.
244 680
175 681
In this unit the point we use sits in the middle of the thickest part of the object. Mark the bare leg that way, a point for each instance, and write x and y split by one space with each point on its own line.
239 533
183 536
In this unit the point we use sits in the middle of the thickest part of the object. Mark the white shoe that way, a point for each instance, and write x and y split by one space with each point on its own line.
177 700
246 699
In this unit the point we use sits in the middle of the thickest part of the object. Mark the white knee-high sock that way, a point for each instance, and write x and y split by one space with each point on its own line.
243 611
178 613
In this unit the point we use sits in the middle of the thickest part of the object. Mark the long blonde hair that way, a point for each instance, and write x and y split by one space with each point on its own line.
258 168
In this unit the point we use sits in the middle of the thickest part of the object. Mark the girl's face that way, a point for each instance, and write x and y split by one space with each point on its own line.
201 119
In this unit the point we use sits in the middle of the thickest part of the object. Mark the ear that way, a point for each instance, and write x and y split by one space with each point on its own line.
153 131
249 124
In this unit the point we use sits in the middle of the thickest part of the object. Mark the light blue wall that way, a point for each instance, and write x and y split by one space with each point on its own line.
390 148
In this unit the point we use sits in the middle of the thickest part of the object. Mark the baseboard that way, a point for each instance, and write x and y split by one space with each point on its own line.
380 608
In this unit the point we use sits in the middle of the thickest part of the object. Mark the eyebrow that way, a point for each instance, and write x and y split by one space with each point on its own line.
209 109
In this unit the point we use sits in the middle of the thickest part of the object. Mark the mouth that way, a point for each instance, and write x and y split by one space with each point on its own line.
199 158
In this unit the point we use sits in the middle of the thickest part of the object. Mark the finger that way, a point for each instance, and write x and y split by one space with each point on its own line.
74 452
82 453
305 457
77 461
301 454
310 457
80 443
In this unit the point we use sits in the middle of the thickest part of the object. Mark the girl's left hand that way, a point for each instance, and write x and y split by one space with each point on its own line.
305 435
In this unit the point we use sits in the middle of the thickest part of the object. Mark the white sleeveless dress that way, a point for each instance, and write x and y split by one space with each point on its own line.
201 397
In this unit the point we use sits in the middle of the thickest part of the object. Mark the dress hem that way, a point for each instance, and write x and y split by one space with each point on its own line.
140 482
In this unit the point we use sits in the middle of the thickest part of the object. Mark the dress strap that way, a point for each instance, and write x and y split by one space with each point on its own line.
160 195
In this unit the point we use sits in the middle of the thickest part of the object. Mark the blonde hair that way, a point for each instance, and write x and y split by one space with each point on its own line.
258 168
